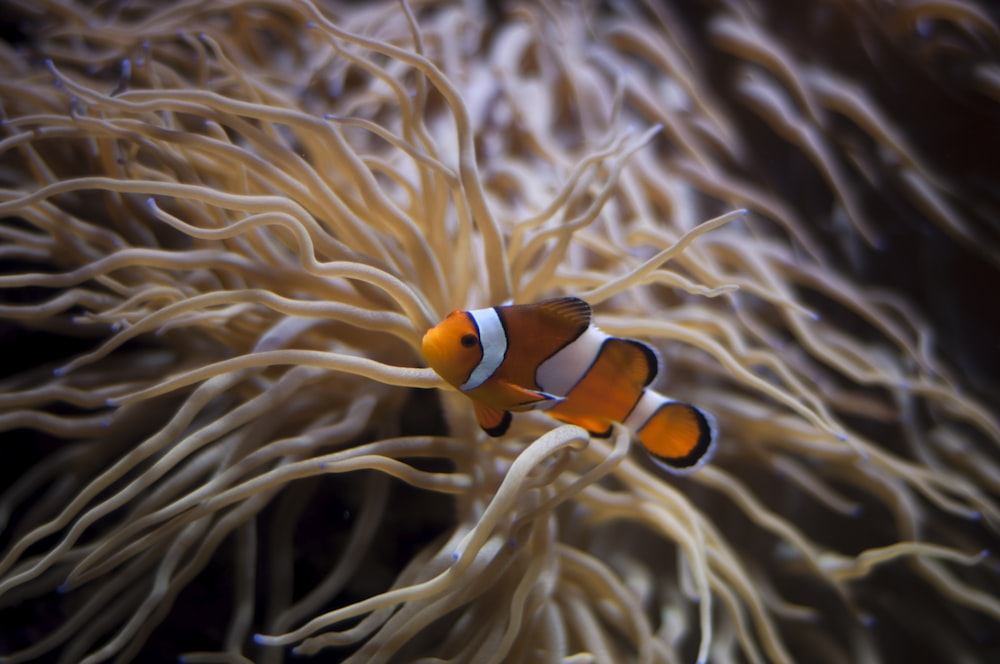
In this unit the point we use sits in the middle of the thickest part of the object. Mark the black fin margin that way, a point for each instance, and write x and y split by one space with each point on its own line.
603 434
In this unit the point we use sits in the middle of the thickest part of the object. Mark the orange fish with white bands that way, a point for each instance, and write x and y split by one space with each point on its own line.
548 356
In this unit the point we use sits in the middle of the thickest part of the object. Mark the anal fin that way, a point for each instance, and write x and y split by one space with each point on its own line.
595 427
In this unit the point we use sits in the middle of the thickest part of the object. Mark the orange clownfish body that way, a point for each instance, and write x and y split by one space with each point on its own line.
548 356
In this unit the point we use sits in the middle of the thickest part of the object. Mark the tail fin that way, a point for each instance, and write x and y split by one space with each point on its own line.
678 436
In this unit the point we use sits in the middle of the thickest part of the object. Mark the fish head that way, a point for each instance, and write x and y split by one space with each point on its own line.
453 348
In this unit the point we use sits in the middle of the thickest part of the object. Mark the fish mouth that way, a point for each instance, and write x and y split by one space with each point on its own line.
429 346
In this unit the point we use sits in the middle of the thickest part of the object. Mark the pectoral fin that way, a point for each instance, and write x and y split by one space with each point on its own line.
493 420
522 398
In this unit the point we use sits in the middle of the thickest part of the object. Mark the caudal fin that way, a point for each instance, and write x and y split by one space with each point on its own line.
678 436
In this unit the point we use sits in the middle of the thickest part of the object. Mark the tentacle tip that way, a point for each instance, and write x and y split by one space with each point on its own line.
975 515
59 372
64 588
983 555
868 620
455 555
151 203
310 24
112 402
262 640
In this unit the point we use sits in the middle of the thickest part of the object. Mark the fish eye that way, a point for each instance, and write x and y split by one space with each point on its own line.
468 340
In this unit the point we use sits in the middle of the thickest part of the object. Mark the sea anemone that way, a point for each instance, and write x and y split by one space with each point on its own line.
226 226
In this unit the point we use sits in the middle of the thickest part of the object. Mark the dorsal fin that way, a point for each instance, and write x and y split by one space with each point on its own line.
637 360
571 309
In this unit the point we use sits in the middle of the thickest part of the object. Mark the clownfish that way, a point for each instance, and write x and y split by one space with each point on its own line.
549 356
